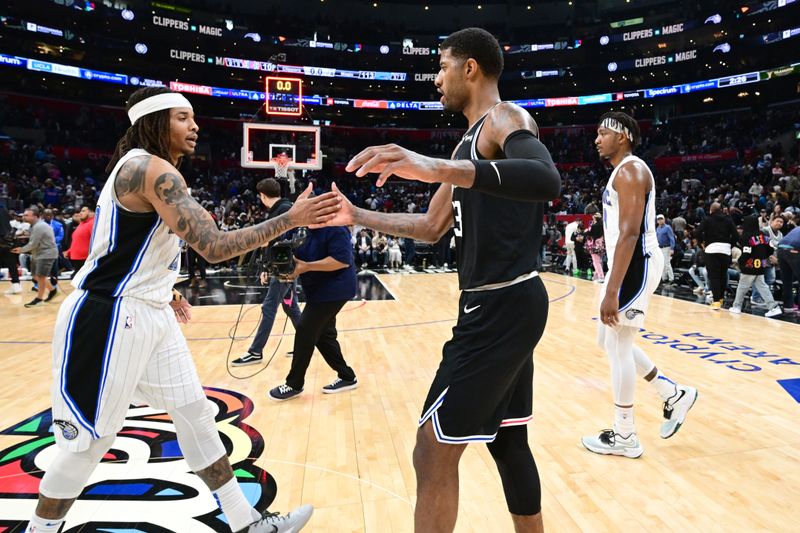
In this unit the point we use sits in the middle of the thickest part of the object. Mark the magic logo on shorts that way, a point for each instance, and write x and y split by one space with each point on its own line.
145 465
630 314
68 429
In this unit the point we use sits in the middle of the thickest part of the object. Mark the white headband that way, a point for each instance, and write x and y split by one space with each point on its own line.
615 125
155 103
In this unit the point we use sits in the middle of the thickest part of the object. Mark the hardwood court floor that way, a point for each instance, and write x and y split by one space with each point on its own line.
733 466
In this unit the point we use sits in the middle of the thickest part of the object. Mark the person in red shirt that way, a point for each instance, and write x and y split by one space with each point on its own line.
81 238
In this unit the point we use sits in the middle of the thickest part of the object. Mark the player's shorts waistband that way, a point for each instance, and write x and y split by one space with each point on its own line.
504 284
107 298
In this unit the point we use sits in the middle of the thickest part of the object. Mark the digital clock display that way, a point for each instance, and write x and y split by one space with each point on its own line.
284 96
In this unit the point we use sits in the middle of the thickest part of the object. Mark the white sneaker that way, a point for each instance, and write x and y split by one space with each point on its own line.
735 310
775 311
610 443
276 523
15 288
675 410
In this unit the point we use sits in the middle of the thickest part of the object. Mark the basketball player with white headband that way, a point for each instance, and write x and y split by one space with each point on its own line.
635 265
117 339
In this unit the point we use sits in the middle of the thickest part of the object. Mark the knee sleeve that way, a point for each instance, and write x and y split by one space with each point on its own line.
601 335
644 365
518 471
197 434
619 346
67 475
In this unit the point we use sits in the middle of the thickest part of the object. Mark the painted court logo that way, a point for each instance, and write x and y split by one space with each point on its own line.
143 484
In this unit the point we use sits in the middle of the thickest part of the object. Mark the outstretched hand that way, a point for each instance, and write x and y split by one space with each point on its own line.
390 159
317 210
344 216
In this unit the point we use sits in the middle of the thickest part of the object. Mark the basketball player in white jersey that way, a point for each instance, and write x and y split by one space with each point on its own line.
635 264
117 339
492 193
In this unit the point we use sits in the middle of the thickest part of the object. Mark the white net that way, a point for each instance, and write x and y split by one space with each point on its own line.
282 166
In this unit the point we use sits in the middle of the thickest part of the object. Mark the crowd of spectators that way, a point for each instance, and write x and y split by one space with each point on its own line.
758 174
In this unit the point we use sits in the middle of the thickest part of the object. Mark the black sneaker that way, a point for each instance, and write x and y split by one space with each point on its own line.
340 385
249 358
52 295
34 302
283 392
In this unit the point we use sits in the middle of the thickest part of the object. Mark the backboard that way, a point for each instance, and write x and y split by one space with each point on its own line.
262 143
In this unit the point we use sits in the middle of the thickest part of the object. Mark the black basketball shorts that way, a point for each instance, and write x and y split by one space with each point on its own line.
485 379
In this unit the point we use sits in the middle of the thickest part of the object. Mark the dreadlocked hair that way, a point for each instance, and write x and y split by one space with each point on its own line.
627 121
150 132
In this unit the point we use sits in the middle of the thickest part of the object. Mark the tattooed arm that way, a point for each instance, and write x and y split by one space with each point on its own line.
428 227
129 184
165 190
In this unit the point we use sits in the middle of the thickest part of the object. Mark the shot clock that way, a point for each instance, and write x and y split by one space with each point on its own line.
284 96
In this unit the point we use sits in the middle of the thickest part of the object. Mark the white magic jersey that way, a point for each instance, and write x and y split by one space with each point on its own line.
648 242
130 254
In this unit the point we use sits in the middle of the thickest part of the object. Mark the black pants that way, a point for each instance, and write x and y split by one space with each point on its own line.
11 262
317 327
192 259
717 266
789 263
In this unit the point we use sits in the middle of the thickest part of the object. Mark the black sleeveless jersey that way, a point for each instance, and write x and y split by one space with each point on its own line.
497 239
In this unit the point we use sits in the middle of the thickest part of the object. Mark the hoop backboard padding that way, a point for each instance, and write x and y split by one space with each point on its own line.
261 143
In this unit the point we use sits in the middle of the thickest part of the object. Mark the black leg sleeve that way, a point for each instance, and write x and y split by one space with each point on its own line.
521 485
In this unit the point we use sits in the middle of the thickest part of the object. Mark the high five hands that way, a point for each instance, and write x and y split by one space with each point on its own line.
389 159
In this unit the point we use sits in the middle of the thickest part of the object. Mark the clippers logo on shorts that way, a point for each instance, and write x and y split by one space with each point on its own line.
630 314
68 429
144 469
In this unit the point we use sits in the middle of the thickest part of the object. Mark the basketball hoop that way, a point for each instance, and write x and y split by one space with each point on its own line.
281 165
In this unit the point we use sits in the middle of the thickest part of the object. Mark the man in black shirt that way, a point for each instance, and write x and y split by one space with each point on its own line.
280 291
717 233
492 194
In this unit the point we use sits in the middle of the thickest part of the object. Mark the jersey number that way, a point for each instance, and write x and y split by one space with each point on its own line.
457 212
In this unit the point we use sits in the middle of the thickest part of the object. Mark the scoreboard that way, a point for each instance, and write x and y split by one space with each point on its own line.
284 96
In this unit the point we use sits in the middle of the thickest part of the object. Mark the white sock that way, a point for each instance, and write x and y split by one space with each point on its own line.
623 421
43 525
665 387
237 509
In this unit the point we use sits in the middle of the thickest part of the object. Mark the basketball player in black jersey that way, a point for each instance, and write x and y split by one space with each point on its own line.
492 193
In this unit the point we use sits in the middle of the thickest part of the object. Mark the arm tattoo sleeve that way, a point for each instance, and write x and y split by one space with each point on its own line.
400 225
198 229
130 178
